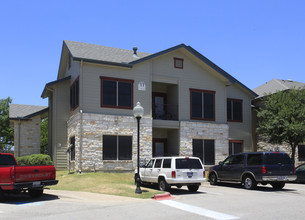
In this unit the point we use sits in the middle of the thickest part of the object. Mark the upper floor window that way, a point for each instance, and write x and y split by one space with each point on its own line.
202 104
74 94
178 63
116 93
235 110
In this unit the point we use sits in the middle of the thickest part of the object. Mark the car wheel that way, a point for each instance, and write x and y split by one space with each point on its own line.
36 193
193 188
249 182
213 179
163 186
278 185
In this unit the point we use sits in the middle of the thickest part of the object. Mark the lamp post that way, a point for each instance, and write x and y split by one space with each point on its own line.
138 112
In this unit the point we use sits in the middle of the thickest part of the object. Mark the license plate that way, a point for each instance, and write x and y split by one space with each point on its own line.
280 178
36 184
190 174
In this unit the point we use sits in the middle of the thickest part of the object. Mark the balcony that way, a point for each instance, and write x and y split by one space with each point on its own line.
165 112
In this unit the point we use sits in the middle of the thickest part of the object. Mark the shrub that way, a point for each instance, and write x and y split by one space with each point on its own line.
34 159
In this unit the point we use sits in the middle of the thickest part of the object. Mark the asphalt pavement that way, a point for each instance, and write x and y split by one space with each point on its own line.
226 201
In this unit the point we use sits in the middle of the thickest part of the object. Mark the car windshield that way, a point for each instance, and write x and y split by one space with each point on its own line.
277 158
188 163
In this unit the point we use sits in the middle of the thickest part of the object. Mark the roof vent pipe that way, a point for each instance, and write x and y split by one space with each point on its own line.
135 50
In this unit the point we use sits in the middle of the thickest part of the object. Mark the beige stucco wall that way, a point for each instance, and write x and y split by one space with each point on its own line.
60 113
241 130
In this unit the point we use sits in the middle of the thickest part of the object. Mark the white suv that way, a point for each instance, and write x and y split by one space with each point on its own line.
174 171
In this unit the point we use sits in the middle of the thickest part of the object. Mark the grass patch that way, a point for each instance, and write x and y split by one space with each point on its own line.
119 184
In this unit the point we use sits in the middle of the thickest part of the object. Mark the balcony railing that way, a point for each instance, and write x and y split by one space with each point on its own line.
165 112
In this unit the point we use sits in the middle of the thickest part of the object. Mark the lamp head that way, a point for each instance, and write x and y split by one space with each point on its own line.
138 110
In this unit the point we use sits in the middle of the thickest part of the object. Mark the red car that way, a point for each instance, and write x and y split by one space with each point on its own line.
15 179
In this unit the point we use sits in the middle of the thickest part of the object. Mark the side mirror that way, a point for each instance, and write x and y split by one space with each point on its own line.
221 163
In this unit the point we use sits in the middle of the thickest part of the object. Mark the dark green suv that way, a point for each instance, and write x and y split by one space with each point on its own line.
273 168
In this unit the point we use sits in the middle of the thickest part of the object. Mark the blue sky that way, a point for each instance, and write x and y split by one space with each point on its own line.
254 41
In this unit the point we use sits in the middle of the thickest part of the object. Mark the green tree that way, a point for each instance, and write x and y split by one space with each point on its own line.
282 119
44 136
6 132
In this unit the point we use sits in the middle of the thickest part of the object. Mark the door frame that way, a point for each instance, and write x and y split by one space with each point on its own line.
164 141
159 94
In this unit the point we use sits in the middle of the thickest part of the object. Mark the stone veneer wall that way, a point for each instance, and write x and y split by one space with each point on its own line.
93 127
29 142
263 145
199 130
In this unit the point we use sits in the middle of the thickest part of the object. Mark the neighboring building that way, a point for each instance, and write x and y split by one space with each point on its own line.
192 107
269 88
26 121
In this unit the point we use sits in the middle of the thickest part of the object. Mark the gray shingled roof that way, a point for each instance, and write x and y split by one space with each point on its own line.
102 53
121 57
276 85
24 111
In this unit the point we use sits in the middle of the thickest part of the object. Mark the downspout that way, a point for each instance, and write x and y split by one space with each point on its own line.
19 129
81 118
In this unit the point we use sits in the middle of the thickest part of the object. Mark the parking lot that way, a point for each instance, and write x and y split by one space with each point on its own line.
227 201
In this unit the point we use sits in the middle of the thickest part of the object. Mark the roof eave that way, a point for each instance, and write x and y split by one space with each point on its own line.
48 85
108 63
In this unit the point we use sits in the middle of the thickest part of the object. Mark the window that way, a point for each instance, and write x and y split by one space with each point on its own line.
72 148
235 110
255 159
178 63
150 164
301 152
235 147
233 160
202 105
277 158
74 95
158 163
167 163
117 147
205 150
188 163
116 93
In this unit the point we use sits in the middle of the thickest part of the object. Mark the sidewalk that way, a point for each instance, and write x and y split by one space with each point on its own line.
78 196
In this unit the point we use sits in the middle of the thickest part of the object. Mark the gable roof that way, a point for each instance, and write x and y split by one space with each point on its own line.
121 57
25 112
276 85
97 53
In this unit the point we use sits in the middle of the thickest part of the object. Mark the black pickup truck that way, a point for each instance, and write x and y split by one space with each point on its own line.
273 168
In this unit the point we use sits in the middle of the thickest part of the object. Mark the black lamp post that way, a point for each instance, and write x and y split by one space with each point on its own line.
138 112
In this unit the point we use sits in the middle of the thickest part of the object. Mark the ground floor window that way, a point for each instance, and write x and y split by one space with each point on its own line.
301 152
117 147
235 147
205 150
72 148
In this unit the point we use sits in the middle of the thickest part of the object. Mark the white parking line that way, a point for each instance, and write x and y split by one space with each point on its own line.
198 210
